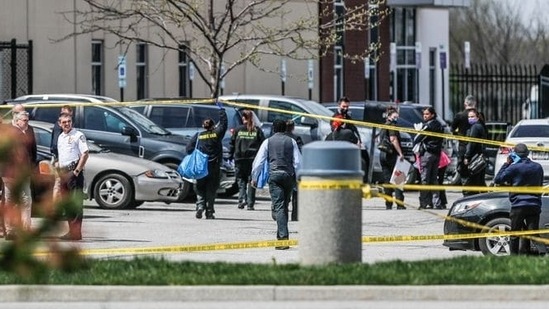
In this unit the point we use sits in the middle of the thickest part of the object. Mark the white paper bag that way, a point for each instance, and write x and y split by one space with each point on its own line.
400 172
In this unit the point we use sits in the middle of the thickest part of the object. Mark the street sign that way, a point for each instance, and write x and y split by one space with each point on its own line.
467 48
443 60
283 70
393 52
191 71
310 74
366 67
121 71
418 55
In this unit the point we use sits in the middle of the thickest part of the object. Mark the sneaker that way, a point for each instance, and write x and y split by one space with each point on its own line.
210 217
241 205
251 208
199 213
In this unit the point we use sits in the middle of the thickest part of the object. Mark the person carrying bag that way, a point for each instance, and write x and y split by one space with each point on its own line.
210 144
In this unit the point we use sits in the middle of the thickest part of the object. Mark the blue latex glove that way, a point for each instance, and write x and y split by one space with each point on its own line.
219 104
514 157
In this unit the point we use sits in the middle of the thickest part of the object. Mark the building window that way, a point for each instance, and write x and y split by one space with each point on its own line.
142 56
183 63
97 67
432 75
339 48
404 35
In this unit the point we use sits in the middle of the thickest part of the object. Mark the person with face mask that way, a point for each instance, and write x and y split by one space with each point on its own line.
477 130
344 113
389 159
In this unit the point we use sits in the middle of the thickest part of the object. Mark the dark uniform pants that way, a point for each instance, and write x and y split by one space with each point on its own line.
206 188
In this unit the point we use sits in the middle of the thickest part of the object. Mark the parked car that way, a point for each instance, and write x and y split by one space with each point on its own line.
120 130
117 181
490 210
308 128
533 133
186 119
55 97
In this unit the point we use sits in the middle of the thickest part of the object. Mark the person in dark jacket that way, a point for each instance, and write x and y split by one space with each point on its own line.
460 125
244 145
520 171
209 142
341 132
388 161
344 113
284 158
428 149
290 126
477 130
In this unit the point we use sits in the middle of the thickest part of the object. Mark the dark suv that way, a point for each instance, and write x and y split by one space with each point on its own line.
121 130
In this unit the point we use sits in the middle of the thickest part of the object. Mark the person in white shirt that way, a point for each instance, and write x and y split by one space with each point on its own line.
73 153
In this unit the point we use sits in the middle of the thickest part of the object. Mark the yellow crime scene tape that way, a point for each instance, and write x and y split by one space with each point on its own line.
368 191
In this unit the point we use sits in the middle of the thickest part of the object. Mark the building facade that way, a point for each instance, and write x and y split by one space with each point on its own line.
413 68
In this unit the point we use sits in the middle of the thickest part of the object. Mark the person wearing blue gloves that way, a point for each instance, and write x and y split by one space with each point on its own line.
209 142
520 171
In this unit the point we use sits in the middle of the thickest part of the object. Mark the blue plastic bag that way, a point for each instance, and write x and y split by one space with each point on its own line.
194 165
263 177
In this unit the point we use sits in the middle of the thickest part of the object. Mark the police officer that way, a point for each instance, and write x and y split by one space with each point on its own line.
520 171
73 153
209 142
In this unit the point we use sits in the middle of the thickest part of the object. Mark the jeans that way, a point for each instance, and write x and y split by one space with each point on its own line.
281 185
523 218
206 189
246 193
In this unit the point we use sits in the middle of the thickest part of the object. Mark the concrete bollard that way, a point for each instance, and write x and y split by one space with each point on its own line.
330 204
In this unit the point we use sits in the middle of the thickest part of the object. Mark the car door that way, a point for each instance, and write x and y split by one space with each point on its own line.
103 127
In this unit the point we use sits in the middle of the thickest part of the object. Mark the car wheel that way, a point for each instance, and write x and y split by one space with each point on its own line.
185 188
496 245
113 191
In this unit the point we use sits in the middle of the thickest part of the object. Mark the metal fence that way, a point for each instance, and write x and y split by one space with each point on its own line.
501 91
15 69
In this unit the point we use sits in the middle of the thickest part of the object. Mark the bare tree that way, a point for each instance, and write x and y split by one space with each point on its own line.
498 33
221 35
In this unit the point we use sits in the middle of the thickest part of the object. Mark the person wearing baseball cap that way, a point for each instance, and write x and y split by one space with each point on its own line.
520 171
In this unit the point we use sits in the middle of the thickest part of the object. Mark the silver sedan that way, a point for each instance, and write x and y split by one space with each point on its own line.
117 181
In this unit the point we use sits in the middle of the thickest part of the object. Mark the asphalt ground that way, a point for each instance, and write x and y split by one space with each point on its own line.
168 231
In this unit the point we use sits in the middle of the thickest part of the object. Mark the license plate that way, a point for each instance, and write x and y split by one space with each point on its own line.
539 155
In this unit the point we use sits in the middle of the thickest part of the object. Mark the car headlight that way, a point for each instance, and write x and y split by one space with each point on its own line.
157 174
460 208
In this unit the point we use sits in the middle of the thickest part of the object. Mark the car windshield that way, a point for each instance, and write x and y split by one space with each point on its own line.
537 130
143 122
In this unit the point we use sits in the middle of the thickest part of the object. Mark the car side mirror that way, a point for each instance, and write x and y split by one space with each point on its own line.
128 131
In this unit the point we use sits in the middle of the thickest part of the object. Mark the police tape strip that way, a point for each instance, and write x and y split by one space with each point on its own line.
330 184
293 113
274 243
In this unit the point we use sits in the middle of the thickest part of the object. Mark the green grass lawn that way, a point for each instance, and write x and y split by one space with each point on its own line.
148 271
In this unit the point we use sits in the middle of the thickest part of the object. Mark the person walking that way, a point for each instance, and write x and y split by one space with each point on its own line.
209 142
243 147
290 127
477 130
73 154
460 126
388 160
520 171
428 149
283 156
17 209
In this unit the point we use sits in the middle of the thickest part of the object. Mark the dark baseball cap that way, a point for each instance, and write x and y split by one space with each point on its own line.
521 150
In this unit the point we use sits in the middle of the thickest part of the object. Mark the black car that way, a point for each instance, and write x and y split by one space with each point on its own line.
490 210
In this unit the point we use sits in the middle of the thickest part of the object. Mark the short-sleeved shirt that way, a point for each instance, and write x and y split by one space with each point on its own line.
71 146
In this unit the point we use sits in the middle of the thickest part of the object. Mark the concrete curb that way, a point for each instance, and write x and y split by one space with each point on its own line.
66 293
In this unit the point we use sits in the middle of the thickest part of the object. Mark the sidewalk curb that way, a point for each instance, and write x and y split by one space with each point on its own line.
72 293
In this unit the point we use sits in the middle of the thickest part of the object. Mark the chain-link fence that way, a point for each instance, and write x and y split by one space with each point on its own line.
15 69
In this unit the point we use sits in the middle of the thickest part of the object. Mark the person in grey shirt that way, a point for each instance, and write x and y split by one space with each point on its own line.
283 156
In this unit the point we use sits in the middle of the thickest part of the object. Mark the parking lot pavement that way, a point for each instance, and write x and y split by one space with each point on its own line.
175 226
